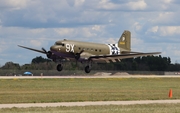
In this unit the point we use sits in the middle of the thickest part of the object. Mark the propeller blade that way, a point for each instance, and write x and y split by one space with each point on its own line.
77 55
44 50
81 52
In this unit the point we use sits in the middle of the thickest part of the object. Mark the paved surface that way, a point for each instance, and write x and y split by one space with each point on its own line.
87 103
91 76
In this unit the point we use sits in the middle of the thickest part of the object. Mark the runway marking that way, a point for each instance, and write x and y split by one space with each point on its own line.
69 104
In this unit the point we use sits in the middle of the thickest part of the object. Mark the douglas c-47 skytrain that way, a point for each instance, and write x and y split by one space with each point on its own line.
87 52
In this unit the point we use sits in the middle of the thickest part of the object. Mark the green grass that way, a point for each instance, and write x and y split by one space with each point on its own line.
86 89
150 108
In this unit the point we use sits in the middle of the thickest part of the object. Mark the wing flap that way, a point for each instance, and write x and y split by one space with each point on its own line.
117 58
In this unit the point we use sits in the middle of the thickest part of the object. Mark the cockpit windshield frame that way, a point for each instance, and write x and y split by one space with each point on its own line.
59 43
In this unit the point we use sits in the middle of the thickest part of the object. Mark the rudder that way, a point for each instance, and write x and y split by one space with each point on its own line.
124 42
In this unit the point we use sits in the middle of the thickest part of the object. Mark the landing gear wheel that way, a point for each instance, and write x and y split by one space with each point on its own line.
87 69
59 67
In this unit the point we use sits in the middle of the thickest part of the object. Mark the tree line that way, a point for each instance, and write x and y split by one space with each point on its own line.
149 63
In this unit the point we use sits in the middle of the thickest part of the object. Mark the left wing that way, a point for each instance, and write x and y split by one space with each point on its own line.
115 58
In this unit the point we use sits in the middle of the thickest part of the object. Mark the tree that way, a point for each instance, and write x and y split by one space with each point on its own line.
11 65
26 67
40 59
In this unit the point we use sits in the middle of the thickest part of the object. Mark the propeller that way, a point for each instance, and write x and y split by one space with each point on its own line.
78 55
44 50
48 53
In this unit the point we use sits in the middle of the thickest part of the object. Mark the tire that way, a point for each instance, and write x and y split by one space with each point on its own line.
59 67
87 69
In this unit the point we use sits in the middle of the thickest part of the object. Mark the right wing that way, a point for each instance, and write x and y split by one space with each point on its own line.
40 51
49 54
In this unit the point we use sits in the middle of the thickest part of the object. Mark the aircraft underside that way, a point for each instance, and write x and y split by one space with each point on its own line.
87 68
70 57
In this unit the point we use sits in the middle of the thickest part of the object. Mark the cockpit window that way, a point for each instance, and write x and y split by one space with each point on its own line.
59 43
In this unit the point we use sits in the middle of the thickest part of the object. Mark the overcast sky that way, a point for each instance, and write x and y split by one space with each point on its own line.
154 25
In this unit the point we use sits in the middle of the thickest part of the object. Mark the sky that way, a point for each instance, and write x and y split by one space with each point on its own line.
154 25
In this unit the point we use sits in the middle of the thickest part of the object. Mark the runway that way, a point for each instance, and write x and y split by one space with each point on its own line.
92 76
69 104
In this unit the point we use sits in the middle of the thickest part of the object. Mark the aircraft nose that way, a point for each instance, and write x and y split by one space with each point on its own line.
54 48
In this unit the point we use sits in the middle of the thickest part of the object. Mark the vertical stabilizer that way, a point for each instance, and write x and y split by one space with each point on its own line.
124 42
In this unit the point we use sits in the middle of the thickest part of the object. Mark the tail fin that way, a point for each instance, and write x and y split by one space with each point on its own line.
124 42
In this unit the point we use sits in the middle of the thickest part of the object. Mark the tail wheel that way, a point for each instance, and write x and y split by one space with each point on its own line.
59 67
87 69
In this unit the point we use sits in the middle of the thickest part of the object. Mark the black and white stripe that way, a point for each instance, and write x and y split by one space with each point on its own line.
114 49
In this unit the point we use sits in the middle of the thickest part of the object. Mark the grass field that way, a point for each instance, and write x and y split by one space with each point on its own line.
150 108
86 89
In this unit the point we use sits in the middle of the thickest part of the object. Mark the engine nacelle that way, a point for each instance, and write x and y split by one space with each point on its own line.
49 54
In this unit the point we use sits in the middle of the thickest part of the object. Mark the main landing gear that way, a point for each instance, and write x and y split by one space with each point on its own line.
59 67
88 67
